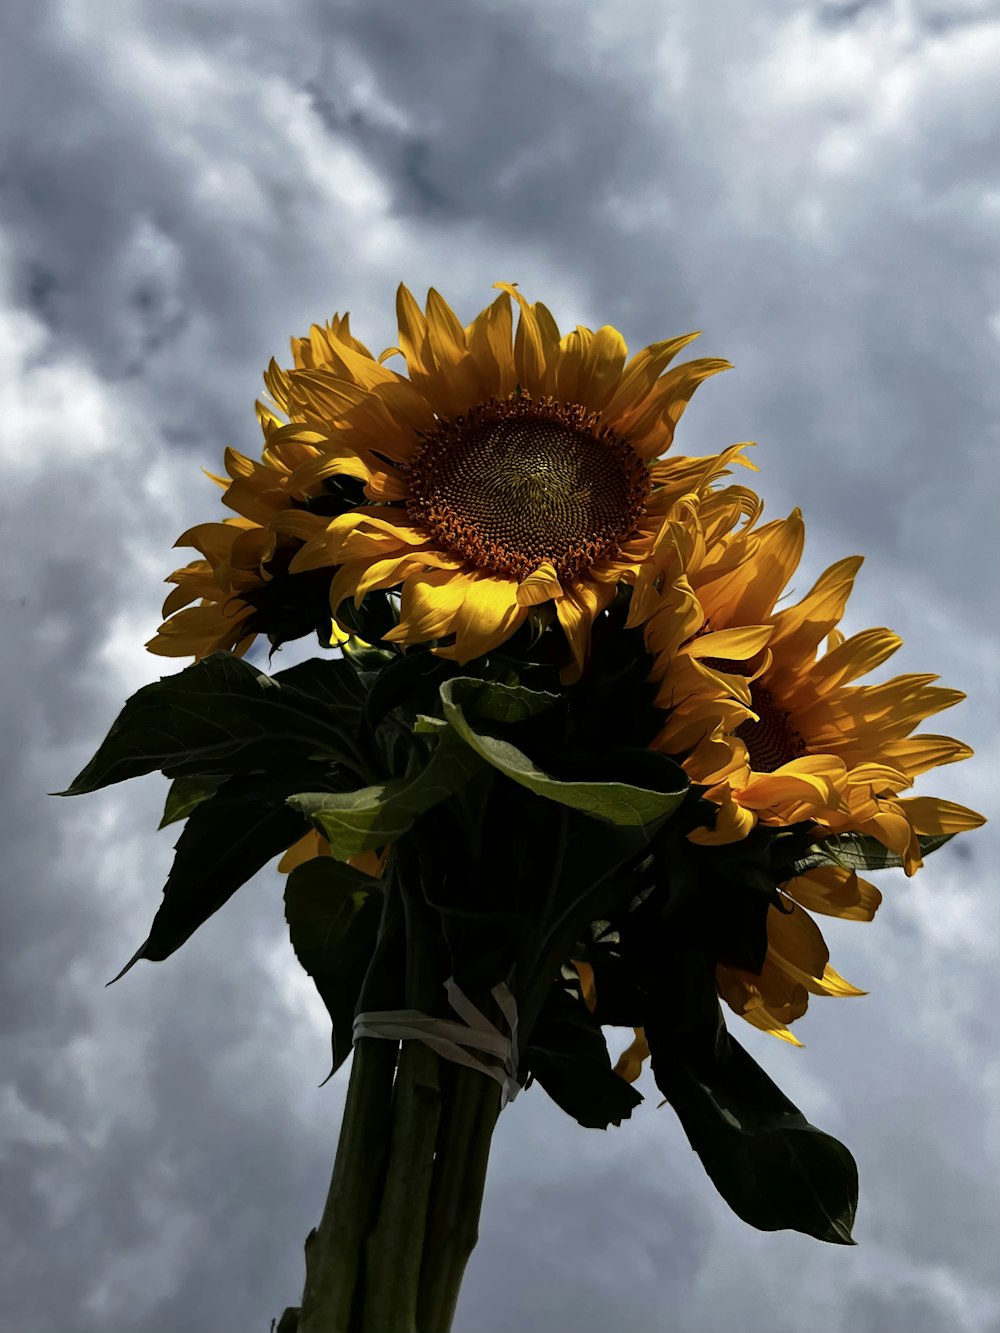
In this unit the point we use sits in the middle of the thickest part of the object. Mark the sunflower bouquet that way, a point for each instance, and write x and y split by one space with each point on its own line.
564 766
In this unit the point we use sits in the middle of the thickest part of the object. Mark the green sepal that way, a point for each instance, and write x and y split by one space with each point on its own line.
568 1056
858 851
376 816
185 793
619 803
223 716
333 914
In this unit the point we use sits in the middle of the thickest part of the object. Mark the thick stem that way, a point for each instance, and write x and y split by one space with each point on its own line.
395 1246
334 1249
460 1179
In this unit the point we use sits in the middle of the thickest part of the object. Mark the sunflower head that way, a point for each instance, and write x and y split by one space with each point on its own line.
501 470
763 711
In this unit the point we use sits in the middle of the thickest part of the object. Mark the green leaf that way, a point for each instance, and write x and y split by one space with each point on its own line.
333 914
185 794
402 680
774 1169
568 1056
376 816
227 839
498 701
857 851
615 802
222 715
591 877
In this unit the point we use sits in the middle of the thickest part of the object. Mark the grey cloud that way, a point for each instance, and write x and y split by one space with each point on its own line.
167 219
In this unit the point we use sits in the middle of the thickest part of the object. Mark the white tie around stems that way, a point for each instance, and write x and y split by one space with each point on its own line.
450 1039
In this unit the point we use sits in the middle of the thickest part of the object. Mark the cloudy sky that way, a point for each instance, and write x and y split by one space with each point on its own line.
182 186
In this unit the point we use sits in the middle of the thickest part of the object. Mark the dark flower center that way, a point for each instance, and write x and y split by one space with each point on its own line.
773 740
515 482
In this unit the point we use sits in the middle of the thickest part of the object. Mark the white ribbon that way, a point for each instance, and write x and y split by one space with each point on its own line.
450 1039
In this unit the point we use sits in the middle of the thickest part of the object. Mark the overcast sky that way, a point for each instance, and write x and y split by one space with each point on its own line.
185 184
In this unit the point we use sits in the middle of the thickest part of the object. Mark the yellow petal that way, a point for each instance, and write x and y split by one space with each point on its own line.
854 657
488 614
430 603
602 368
629 1064
733 823
577 609
445 333
309 846
641 374
931 815
835 891
586 974
799 629
920 753
490 340
413 337
531 354
541 585
814 779
747 594
795 936
651 431
732 645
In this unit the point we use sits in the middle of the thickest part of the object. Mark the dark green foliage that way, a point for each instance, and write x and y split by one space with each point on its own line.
228 837
530 825
185 794
377 816
857 851
223 716
333 914
774 1169
568 1056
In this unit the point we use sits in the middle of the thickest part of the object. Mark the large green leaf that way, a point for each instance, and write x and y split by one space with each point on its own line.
614 802
376 816
333 914
226 840
222 715
592 873
857 851
774 1169
568 1056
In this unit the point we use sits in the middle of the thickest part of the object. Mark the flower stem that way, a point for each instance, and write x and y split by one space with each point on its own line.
395 1245
460 1178
334 1249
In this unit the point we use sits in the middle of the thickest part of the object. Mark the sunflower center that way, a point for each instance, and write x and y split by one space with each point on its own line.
773 740
515 482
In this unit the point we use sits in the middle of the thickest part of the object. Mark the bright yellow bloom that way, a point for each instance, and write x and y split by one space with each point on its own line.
241 585
503 471
777 731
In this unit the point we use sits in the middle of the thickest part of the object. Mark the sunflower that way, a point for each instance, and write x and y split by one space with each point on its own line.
503 471
242 584
777 732
774 728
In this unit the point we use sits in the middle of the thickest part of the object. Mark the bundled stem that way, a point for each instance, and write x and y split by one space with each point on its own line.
459 1181
334 1249
402 1215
